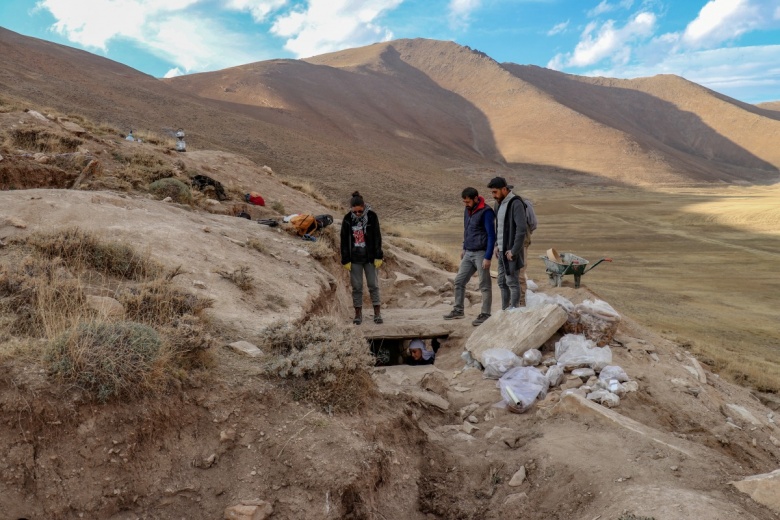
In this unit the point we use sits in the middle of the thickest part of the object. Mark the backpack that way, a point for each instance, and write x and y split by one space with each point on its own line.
254 198
530 215
304 224
323 221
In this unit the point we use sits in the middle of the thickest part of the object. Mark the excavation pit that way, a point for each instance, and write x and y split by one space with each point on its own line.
390 347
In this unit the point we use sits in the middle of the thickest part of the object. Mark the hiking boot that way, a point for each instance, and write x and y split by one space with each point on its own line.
358 316
482 318
454 315
377 315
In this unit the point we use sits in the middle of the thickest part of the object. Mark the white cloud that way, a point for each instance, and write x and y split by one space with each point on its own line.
558 28
608 42
166 28
747 73
459 11
605 7
718 20
176 71
330 25
259 9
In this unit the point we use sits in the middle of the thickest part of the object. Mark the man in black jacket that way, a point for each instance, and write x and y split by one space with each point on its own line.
361 252
511 233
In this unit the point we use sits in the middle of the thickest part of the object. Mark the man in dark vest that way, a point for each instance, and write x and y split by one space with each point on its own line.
511 234
479 238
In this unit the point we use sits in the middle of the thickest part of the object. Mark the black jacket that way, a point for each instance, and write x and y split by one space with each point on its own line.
515 230
373 238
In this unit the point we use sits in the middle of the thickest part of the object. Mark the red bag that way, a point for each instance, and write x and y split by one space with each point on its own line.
254 198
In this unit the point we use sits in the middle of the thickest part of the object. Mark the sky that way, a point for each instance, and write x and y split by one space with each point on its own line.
730 46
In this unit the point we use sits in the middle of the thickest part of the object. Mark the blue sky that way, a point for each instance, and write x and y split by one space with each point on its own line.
731 46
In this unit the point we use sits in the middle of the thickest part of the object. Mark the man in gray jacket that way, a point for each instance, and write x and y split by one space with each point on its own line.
511 233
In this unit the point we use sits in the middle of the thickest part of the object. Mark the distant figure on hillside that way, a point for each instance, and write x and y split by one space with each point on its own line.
130 136
479 239
361 252
419 354
511 246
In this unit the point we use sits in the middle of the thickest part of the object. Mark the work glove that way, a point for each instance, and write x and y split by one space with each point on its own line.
348 266
378 263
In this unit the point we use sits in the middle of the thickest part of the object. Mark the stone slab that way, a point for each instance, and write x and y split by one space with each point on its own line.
516 330
740 412
246 348
764 489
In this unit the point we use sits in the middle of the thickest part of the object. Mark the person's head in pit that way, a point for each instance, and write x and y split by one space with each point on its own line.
419 355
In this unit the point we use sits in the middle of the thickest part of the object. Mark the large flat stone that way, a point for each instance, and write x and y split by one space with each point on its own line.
764 489
516 330
246 348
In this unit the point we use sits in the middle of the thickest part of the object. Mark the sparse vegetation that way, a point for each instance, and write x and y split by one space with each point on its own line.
239 276
141 169
632 516
437 257
278 207
321 361
256 244
37 140
46 316
80 249
108 359
173 188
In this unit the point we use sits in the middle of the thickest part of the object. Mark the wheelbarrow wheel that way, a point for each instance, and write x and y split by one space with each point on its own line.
577 281
555 279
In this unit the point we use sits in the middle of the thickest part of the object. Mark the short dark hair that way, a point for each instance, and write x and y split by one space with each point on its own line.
469 193
497 182
356 200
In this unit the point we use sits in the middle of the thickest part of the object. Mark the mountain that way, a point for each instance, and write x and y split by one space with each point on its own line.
395 118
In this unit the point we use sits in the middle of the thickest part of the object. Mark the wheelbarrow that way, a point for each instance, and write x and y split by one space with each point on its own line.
567 263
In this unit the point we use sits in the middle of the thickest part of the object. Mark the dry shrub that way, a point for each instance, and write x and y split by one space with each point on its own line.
108 359
189 341
80 249
160 302
278 207
436 256
41 295
36 140
173 188
241 277
141 169
256 245
321 361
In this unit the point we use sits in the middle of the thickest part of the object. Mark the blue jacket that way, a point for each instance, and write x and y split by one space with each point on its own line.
479 231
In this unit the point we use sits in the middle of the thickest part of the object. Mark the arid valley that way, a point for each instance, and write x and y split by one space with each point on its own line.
161 357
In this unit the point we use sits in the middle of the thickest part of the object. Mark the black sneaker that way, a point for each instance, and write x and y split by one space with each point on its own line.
454 315
482 318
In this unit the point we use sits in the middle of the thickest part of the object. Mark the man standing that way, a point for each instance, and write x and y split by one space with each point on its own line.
511 234
479 238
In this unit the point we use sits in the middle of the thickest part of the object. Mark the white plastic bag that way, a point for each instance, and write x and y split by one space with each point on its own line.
497 361
534 299
554 376
604 397
532 357
613 372
531 285
583 373
470 361
597 320
575 351
521 386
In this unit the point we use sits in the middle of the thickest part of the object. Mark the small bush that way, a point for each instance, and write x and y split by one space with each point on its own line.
36 140
321 361
160 302
80 249
241 277
107 359
173 188
278 207
256 245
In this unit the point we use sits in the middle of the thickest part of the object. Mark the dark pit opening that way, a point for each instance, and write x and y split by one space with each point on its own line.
394 350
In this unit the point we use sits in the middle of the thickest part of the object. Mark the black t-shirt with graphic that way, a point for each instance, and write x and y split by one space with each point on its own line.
359 255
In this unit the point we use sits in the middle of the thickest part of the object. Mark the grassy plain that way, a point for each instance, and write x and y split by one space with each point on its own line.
699 265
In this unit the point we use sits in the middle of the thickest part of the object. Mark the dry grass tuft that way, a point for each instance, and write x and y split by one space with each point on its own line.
256 244
141 169
241 277
108 359
321 361
160 302
436 256
278 207
37 140
80 249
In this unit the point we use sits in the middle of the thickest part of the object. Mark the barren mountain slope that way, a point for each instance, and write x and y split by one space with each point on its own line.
76 82
770 105
711 133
